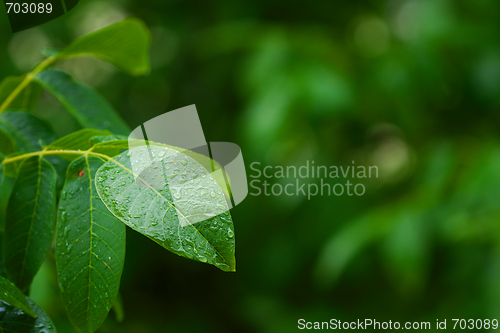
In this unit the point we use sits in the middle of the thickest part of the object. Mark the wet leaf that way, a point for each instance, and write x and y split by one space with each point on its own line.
90 248
9 293
13 320
170 198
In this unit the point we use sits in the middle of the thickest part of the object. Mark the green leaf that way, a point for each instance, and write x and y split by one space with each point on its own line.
85 104
27 132
60 165
26 99
109 145
125 44
12 295
90 248
6 186
76 141
12 320
6 144
29 221
172 200
79 140
107 138
104 147
11 168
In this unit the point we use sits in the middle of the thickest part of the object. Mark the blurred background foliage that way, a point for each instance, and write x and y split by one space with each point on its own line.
412 86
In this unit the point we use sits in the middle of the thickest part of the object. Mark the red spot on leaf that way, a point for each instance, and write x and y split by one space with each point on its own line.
81 173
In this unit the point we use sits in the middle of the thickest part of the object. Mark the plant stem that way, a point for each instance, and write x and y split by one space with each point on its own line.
54 152
27 80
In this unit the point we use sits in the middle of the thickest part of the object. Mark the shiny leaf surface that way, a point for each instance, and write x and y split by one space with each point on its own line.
173 200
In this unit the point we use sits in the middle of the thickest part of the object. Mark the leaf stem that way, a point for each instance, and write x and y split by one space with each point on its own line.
27 80
54 152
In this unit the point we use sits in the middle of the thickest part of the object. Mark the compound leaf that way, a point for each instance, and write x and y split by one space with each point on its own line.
13 320
29 221
89 108
15 297
125 44
170 198
90 248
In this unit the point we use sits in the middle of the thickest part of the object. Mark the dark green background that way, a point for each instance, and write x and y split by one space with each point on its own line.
410 86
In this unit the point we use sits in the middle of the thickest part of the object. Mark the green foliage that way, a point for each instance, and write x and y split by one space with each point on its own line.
29 220
16 320
81 139
67 181
87 106
6 186
124 44
27 132
12 295
26 99
90 247
170 214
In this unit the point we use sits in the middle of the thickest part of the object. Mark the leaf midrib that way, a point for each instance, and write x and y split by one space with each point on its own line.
91 234
42 153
